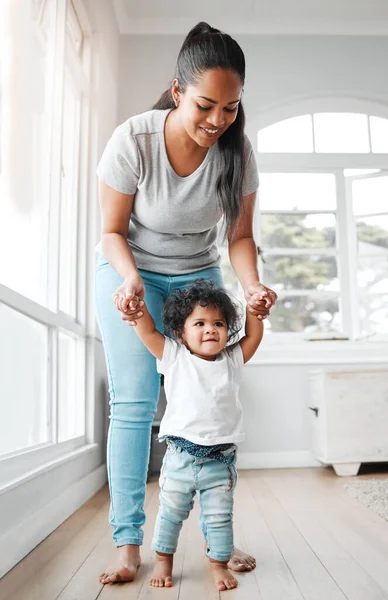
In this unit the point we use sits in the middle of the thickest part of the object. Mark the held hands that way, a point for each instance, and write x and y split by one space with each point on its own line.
128 299
259 299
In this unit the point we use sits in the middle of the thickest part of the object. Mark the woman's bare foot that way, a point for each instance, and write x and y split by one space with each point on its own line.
128 562
162 573
223 580
241 561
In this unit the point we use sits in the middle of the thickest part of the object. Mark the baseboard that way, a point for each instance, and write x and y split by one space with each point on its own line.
276 460
30 532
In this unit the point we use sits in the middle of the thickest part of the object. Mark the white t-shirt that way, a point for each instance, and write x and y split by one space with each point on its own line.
202 396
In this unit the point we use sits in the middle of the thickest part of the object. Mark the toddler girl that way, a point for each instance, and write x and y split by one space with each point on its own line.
203 419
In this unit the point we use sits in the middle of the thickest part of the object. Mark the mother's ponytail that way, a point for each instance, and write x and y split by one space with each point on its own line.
205 49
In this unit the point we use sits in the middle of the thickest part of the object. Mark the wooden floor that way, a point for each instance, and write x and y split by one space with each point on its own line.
311 539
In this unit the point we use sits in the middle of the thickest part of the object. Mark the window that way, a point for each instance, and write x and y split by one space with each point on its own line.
25 119
327 132
298 241
370 208
379 134
24 406
290 135
71 390
72 100
342 132
322 223
43 110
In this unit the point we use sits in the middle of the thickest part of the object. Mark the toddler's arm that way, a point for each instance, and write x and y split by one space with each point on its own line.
254 330
149 335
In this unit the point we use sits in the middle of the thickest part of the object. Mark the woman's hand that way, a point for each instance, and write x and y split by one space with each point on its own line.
260 299
128 299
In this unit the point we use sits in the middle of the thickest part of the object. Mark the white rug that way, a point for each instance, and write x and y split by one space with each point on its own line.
373 493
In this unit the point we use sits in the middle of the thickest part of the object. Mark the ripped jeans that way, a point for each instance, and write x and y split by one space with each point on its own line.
183 475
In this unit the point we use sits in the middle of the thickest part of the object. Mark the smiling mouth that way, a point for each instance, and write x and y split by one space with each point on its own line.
210 131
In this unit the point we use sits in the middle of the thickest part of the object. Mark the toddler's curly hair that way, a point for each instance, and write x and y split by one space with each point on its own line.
205 293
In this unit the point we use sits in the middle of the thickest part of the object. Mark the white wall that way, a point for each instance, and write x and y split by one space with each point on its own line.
280 70
275 399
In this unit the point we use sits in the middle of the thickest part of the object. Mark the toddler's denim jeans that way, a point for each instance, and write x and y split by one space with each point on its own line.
134 392
183 475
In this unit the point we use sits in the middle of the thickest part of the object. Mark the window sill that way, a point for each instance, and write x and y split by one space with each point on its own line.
20 471
299 351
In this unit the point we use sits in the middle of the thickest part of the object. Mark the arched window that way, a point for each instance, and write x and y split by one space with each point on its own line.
326 132
322 223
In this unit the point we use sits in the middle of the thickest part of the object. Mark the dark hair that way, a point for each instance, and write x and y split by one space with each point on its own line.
205 293
206 49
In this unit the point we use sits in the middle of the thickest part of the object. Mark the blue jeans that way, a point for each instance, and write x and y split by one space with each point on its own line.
183 475
134 387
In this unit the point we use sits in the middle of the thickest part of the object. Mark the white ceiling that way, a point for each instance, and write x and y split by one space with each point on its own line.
299 17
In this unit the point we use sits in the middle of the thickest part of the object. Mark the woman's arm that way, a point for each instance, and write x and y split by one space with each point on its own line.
116 209
243 257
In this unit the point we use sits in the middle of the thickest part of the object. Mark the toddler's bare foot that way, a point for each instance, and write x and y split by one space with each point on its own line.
128 562
162 573
223 580
241 561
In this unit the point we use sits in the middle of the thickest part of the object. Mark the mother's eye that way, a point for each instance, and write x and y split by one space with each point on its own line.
207 108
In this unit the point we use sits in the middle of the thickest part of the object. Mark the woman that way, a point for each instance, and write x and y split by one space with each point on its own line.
167 177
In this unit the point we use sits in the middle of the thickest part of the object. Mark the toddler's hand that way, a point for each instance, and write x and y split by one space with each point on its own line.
128 299
259 299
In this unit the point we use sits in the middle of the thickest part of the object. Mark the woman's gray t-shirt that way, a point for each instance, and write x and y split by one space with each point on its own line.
173 224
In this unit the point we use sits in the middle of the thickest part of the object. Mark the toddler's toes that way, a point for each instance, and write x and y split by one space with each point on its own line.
221 586
231 583
161 582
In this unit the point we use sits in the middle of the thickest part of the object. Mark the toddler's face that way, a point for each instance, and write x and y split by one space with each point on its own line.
205 332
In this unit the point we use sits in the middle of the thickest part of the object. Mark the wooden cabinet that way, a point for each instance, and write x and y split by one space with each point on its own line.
349 412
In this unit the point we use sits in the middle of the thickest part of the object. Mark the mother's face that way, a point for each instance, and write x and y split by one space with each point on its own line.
209 107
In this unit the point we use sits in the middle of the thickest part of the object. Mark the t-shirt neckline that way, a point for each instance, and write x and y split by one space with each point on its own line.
165 155
219 356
